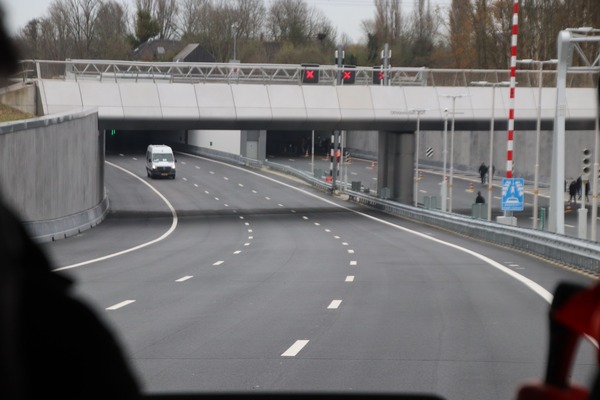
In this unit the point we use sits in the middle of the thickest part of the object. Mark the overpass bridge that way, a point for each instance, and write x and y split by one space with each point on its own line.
188 96
151 96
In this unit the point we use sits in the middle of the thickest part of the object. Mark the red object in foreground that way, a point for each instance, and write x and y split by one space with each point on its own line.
574 314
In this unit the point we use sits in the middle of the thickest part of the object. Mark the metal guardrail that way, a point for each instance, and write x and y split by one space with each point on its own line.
177 72
576 253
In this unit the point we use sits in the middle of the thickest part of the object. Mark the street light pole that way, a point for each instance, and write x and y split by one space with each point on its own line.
234 29
416 186
444 188
454 97
536 169
491 159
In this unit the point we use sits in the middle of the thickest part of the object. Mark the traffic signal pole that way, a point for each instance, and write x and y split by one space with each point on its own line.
585 175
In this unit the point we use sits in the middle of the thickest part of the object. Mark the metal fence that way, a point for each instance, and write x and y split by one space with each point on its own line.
177 72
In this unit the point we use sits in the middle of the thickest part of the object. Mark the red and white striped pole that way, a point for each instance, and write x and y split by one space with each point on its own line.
513 73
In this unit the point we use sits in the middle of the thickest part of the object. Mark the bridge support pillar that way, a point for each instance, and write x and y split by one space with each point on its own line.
395 166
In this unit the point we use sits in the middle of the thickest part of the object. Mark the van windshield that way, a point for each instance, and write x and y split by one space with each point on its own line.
162 157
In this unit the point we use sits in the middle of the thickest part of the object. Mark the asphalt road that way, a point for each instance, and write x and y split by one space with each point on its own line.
229 279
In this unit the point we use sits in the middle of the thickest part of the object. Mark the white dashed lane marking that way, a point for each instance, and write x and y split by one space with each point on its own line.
119 305
219 263
350 278
184 278
295 348
334 304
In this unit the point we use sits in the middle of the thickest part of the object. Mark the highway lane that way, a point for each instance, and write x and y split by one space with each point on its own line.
464 191
264 287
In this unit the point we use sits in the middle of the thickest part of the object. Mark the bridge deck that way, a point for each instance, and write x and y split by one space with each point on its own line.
157 98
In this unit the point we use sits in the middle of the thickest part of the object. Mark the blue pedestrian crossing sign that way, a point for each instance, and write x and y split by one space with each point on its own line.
513 192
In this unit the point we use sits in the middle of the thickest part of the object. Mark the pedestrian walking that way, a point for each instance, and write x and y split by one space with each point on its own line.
573 192
479 199
483 169
587 191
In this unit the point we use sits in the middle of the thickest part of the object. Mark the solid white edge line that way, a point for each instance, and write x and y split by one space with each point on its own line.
536 288
294 349
119 253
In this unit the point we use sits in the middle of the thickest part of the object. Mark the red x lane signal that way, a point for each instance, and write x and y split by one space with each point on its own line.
310 73
348 75
378 76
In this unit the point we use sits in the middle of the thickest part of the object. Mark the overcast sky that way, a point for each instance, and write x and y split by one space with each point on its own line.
346 15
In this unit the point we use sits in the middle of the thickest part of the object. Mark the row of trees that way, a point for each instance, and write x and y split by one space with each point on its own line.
466 34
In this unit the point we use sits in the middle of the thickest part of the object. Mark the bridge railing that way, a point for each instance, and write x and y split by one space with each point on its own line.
176 72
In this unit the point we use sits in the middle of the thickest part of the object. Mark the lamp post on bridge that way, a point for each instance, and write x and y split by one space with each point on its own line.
493 85
234 30
536 173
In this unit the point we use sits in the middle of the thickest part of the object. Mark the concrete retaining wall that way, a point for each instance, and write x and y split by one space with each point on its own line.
473 147
52 173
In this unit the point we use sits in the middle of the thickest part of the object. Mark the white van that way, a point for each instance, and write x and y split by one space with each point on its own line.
160 161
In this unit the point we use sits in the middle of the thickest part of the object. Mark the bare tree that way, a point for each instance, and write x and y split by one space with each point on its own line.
163 13
192 15
461 34
111 32
388 20
288 21
425 31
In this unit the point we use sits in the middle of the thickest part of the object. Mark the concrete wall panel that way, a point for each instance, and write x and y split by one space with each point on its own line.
55 165
388 103
140 100
106 97
287 102
60 95
251 102
321 103
456 98
526 103
215 101
423 98
579 104
178 100
355 103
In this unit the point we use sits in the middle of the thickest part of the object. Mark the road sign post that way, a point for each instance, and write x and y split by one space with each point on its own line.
513 192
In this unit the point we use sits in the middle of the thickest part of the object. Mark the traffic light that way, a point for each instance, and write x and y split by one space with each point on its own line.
586 164
113 132
378 76
348 75
310 73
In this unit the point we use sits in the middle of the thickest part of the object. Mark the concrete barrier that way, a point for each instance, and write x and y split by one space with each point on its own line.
53 173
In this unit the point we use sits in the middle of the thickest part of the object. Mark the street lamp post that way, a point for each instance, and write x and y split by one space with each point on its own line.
444 188
491 159
416 186
454 97
234 29
536 170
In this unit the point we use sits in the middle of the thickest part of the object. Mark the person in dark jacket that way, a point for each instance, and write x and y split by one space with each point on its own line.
573 192
479 199
483 170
